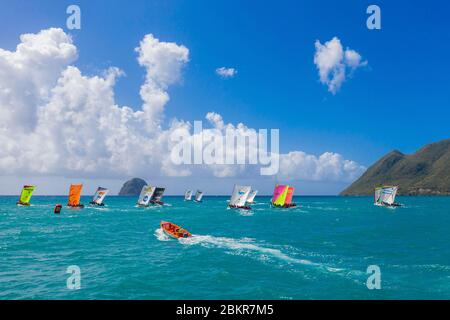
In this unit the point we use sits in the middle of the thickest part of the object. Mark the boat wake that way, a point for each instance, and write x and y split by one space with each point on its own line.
160 235
248 246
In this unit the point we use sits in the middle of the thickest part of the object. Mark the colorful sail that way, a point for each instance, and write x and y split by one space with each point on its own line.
239 196
74 195
157 195
100 195
289 195
279 195
25 195
198 196
188 195
146 195
385 195
251 196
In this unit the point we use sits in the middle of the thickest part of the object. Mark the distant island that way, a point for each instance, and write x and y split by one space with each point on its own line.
426 172
132 187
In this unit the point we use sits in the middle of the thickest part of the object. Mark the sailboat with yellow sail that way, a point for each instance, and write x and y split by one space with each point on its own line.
25 195
282 196
74 196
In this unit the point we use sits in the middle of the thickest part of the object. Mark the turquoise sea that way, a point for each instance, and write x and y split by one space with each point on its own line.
319 250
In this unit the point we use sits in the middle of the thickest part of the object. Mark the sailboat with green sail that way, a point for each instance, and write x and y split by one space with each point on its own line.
25 195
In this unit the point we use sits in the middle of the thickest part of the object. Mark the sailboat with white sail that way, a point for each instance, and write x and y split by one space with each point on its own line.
99 197
251 196
145 196
25 196
188 195
198 196
385 196
239 197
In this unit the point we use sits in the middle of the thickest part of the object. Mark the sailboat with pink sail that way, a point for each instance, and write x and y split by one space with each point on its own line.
282 196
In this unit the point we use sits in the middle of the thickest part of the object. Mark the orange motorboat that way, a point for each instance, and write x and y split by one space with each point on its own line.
174 231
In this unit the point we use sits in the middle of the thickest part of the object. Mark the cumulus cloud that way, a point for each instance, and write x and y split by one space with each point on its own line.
329 167
163 62
226 72
56 121
334 63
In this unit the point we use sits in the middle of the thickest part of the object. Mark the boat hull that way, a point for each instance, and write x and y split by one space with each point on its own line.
240 207
97 204
174 231
79 206
285 206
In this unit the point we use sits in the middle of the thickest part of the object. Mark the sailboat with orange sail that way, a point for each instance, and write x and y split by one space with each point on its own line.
74 196
282 196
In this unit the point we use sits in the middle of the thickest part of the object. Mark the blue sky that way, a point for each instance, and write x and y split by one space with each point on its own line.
400 100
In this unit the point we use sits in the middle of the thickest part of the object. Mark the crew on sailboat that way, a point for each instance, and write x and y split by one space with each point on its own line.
239 197
282 196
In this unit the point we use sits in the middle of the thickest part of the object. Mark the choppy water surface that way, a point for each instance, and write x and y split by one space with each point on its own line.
319 250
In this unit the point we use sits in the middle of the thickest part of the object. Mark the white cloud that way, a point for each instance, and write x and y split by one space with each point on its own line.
333 62
163 62
226 72
56 121
327 167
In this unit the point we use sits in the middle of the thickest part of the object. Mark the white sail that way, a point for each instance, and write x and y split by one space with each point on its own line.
146 195
100 195
240 195
251 196
388 195
377 196
385 195
198 196
188 195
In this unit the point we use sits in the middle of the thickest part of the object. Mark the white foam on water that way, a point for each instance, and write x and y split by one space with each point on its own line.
246 213
160 235
247 244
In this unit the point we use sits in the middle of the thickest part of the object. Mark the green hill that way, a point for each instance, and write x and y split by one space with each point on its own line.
426 172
